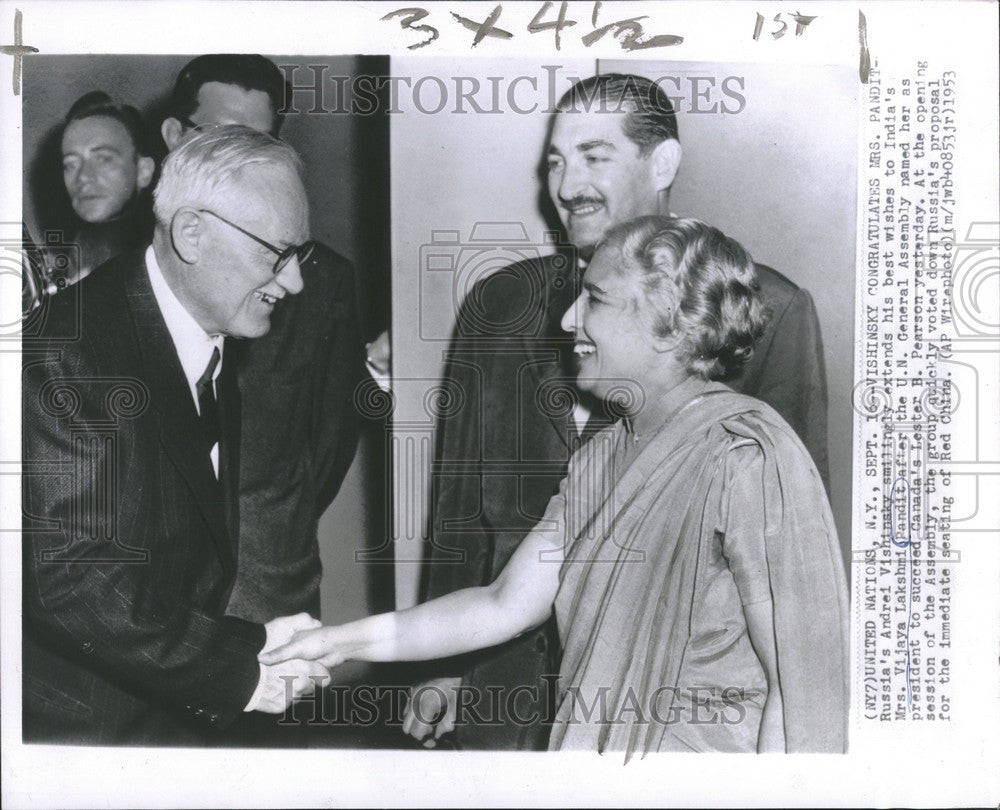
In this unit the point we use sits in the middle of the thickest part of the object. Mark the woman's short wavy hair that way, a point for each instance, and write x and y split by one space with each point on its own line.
698 285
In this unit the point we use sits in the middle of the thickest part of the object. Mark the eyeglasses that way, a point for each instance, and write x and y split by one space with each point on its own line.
187 123
301 252
210 126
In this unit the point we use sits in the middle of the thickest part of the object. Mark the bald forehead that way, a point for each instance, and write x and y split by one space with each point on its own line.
270 193
268 173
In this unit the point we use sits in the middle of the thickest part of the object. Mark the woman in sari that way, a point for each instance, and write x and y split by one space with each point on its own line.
690 553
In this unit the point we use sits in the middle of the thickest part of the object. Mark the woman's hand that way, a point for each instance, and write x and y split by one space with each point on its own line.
329 646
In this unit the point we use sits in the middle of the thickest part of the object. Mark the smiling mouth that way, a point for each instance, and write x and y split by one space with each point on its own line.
583 348
583 209
266 298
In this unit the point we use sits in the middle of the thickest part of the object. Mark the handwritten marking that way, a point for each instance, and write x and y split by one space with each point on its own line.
801 22
865 66
536 25
487 28
18 51
411 16
628 32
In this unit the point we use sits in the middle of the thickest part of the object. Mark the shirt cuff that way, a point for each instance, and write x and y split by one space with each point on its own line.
384 381
258 693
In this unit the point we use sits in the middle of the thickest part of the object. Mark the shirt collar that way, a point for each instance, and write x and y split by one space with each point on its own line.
193 345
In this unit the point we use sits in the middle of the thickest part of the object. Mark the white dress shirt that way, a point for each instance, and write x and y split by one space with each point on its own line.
581 413
193 344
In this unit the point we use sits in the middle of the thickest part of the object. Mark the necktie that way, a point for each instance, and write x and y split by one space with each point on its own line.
206 401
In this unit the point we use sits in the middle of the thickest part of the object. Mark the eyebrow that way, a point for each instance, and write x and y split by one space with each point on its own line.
100 148
595 144
586 146
590 287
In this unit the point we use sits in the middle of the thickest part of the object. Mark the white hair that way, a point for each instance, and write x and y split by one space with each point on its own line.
197 172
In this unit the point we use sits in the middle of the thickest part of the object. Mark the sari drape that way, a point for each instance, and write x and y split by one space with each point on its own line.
664 544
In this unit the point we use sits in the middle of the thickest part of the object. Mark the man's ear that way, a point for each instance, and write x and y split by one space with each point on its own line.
666 160
186 234
173 132
144 175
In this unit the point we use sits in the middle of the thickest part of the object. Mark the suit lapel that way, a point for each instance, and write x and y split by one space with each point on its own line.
546 349
171 396
228 392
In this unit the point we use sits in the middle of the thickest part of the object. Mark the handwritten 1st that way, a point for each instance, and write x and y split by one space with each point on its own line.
801 21
627 31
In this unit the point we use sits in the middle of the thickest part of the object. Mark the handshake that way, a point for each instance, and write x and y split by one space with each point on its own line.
289 678
300 650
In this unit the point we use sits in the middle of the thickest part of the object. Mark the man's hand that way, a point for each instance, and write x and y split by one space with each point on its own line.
280 631
282 683
289 680
432 707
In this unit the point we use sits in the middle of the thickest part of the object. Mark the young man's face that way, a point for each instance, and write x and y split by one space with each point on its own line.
220 104
101 168
597 178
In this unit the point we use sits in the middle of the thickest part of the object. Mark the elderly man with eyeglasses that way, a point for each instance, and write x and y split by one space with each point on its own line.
300 426
131 448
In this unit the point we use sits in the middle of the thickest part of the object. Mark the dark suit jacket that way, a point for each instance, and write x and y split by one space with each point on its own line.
501 457
300 432
128 536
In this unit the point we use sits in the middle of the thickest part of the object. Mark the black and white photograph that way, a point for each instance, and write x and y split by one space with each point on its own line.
407 411
539 371
195 559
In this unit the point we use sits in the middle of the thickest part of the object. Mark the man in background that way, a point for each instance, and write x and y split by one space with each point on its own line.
300 426
612 155
107 167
